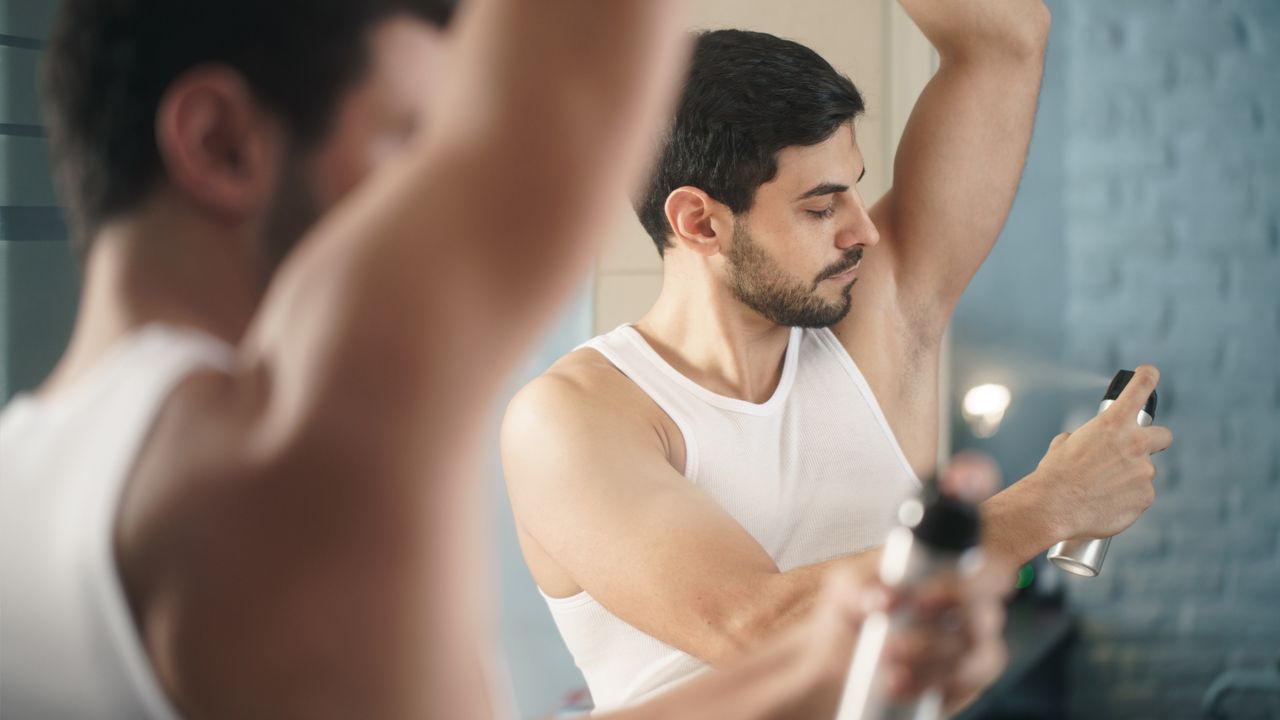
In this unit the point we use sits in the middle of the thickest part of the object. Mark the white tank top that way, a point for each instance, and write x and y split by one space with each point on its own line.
813 473
70 647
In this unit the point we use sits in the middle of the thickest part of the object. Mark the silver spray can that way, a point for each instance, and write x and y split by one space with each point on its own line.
936 535
1084 556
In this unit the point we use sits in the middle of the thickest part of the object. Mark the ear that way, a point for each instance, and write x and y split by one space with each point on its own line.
219 148
697 221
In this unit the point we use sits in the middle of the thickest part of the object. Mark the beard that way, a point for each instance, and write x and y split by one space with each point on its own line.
295 208
756 281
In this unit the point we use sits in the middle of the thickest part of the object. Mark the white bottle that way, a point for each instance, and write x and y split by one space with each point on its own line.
936 535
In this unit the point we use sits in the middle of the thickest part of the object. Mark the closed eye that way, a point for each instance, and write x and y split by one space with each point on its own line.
825 213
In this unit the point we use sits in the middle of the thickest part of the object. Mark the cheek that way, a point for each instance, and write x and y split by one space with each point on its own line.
808 247
338 170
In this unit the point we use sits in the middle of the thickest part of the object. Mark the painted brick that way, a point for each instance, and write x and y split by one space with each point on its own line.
1172 245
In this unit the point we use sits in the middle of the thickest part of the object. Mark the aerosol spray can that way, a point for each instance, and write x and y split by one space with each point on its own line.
937 534
1084 556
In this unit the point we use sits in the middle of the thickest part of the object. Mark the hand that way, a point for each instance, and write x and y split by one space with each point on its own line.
958 645
1100 478
955 641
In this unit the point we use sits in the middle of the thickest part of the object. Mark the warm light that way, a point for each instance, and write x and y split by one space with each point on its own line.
983 408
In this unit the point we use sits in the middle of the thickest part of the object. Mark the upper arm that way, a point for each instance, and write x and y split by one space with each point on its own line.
956 172
958 165
589 481
413 295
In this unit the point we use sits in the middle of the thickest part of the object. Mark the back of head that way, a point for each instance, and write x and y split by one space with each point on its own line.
109 62
748 95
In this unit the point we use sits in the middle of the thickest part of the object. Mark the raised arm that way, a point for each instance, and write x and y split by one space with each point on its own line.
962 152
333 565
954 178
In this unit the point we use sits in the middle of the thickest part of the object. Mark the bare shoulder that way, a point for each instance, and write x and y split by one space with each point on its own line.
584 399
580 384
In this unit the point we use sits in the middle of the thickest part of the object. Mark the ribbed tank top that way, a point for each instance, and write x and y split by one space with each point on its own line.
812 474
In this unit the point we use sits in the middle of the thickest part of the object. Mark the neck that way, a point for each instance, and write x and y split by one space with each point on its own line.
160 265
710 336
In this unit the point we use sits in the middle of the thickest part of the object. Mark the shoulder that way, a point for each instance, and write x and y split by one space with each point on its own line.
584 381
581 400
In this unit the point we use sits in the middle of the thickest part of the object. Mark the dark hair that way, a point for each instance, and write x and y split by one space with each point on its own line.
109 62
748 95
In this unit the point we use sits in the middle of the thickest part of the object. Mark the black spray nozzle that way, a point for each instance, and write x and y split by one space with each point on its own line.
945 522
1117 386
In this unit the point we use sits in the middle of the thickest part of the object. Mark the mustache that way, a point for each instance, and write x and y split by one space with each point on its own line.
851 258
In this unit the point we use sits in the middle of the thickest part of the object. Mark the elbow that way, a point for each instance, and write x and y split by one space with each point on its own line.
1030 35
729 634
1021 35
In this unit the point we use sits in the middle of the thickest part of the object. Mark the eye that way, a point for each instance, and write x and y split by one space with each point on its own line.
825 213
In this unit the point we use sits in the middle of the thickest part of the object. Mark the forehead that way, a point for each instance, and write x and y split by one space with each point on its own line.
835 160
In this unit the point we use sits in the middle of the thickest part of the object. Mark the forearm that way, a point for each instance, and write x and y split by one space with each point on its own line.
1019 27
783 600
775 682
1019 523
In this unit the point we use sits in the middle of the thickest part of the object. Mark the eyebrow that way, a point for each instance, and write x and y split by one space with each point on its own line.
829 188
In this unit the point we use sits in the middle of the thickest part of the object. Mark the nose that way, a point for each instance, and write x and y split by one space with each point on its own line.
858 231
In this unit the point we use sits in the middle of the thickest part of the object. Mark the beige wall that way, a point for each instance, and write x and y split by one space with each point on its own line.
871 41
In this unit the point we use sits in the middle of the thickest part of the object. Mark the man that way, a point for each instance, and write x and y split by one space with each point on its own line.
247 490
683 485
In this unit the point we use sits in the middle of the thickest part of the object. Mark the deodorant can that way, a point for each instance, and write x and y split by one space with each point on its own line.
1084 556
936 534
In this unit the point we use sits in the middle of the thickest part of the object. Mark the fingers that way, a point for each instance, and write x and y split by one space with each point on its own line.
954 641
940 595
984 663
1058 440
926 656
1134 396
1158 438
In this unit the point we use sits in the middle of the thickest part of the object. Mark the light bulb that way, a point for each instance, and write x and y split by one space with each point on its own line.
984 407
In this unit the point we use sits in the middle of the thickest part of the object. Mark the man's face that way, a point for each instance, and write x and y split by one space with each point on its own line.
793 256
372 123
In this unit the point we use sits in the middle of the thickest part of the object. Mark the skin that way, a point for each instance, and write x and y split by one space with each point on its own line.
594 466
284 533
286 528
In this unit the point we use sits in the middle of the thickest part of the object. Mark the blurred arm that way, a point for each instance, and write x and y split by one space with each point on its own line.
341 573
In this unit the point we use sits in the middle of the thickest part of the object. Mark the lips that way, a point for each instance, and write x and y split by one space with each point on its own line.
847 271
846 274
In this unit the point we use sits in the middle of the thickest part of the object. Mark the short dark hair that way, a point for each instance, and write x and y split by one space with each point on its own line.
747 96
108 63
